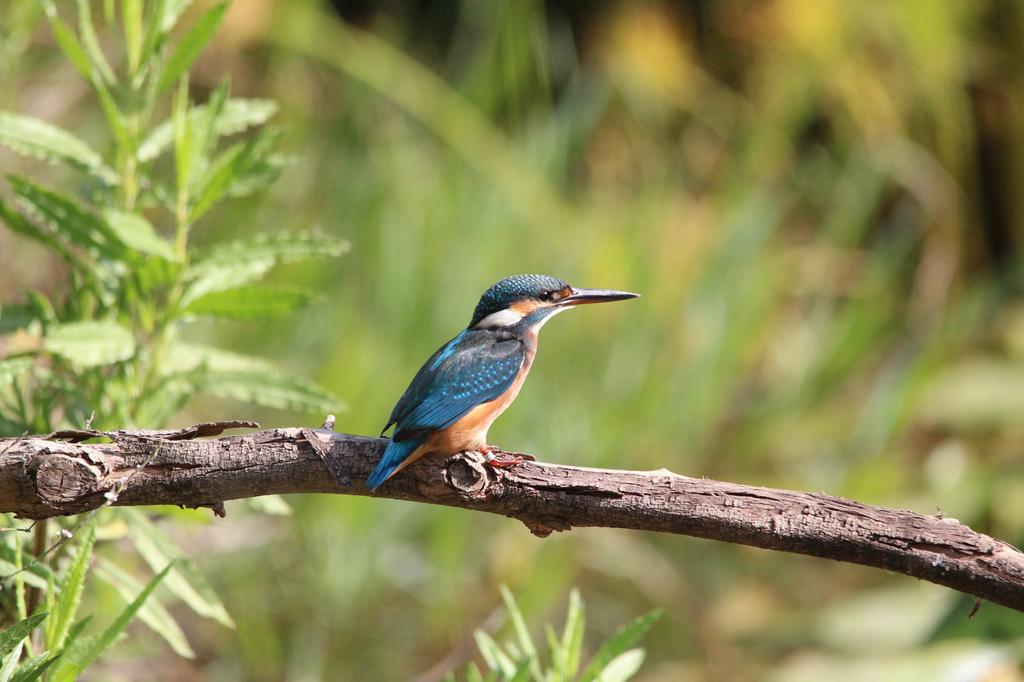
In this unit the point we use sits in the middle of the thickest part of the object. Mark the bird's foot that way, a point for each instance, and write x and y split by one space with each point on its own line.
499 459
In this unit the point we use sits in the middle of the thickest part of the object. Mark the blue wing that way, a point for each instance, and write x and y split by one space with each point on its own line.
472 369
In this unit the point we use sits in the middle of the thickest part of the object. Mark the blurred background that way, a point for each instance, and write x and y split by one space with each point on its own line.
819 202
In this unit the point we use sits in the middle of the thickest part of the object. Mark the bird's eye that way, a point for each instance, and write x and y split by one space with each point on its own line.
546 296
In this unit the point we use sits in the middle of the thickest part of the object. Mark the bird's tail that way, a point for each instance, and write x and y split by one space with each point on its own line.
395 457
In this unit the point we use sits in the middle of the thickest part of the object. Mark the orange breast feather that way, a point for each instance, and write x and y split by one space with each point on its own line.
470 432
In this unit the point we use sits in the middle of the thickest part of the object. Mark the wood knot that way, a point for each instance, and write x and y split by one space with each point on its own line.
61 479
545 527
468 473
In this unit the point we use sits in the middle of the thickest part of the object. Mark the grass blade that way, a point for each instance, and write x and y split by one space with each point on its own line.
572 635
522 633
70 591
33 669
152 613
184 581
84 652
495 658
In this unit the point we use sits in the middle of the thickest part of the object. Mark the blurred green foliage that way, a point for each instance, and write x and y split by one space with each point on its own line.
108 350
819 203
520 660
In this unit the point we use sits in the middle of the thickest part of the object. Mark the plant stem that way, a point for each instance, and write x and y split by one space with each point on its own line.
39 534
129 165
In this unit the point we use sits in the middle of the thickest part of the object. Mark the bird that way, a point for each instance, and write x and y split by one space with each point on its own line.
457 394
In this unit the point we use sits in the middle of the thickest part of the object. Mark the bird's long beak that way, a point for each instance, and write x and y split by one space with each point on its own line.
581 296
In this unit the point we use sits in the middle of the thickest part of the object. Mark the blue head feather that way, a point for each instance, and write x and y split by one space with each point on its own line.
511 289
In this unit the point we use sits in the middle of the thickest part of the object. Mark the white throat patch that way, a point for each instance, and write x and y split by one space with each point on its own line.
502 318
559 309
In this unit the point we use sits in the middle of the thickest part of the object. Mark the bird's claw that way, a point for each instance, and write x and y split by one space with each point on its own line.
499 459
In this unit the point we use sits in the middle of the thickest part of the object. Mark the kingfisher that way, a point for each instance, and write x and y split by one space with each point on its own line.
459 392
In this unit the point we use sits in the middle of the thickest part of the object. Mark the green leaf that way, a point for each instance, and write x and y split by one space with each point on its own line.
192 45
277 247
42 140
33 668
522 673
186 357
236 116
12 636
75 633
26 228
224 276
67 218
557 653
131 22
41 307
77 658
250 303
271 390
68 43
185 581
137 233
222 172
152 613
623 667
233 165
154 34
181 120
9 665
92 43
20 605
115 119
171 11
241 114
70 590
623 639
204 130
258 176
90 343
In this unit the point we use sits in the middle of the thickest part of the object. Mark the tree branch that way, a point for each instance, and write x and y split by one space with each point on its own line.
54 475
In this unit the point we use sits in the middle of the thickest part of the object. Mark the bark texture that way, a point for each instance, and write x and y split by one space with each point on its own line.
57 474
